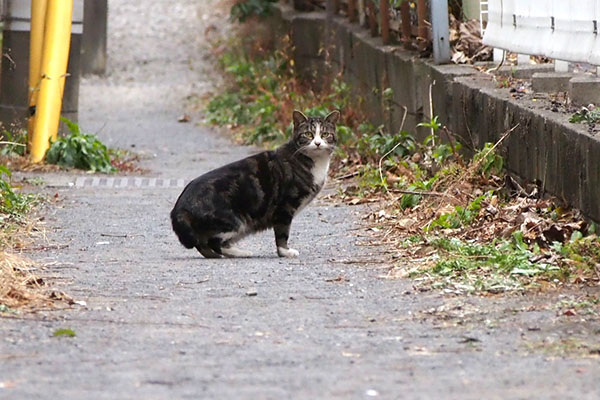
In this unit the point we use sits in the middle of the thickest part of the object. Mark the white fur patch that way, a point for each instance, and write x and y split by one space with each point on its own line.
320 169
291 253
234 236
233 252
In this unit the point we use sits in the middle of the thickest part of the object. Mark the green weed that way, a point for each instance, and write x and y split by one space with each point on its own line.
586 116
14 143
488 162
262 94
374 143
245 9
495 266
461 216
79 150
12 203
582 253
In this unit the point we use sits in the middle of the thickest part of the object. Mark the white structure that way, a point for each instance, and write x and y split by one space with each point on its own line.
560 29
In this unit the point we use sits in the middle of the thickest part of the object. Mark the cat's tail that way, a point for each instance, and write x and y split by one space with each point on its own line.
183 228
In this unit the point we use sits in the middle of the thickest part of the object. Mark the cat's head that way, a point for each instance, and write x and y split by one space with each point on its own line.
315 136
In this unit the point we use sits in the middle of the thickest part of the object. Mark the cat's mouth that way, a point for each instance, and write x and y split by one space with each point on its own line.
321 150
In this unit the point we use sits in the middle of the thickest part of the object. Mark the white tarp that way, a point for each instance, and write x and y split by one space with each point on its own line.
560 29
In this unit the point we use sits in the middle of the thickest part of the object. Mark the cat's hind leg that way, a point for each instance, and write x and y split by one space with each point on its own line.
229 238
207 251
234 252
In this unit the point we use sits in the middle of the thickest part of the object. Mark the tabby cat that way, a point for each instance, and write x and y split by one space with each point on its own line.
262 191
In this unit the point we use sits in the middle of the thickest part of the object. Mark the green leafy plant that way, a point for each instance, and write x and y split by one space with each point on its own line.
245 9
11 202
79 150
461 216
488 161
494 266
13 143
586 115
440 152
263 90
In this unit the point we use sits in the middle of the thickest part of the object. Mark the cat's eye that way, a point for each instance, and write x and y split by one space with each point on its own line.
325 135
309 135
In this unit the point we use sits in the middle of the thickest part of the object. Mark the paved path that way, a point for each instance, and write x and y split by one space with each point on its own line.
163 323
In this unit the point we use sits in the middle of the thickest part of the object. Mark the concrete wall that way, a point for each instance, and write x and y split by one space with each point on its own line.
545 149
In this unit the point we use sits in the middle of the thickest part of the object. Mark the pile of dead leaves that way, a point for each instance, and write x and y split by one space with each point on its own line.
482 207
466 42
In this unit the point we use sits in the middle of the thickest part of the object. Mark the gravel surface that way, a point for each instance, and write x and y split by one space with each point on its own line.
161 322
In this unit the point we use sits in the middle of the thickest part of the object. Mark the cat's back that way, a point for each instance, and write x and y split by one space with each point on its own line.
244 180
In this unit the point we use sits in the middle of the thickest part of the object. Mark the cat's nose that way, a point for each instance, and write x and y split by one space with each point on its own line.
317 143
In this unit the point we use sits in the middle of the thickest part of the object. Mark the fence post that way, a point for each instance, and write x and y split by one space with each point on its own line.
352 10
372 18
329 9
384 13
422 16
441 33
406 25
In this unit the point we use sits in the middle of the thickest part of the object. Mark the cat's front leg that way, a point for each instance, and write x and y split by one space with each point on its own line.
282 233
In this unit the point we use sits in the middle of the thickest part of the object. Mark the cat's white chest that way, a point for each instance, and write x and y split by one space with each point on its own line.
319 170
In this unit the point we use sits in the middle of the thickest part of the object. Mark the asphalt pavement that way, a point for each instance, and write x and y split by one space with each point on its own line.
157 321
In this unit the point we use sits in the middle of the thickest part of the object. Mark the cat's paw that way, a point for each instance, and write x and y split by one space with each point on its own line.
283 252
234 252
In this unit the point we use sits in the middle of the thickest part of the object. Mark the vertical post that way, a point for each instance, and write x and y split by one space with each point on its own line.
441 31
384 14
361 12
406 24
15 84
561 66
14 74
93 40
422 16
329 9
36 43
352 10
523 59
498 55
57 40
372 18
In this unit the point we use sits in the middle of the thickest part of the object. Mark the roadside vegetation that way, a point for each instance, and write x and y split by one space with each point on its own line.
464 224
76 149
22 287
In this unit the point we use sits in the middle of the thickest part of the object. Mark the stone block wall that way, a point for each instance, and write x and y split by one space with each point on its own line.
562 158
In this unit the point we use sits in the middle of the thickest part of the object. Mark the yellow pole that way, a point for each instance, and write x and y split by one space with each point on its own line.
36 43
57 39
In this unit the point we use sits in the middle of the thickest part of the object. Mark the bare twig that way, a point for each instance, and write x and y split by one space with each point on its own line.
13 143
497 67
424 193
431 111
347 176
392 150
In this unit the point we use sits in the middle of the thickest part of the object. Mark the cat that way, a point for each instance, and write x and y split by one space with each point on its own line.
263 191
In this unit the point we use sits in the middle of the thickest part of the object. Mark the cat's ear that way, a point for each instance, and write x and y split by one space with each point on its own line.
333 117
299 117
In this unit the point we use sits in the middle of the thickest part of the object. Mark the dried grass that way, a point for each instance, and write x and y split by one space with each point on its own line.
22 286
